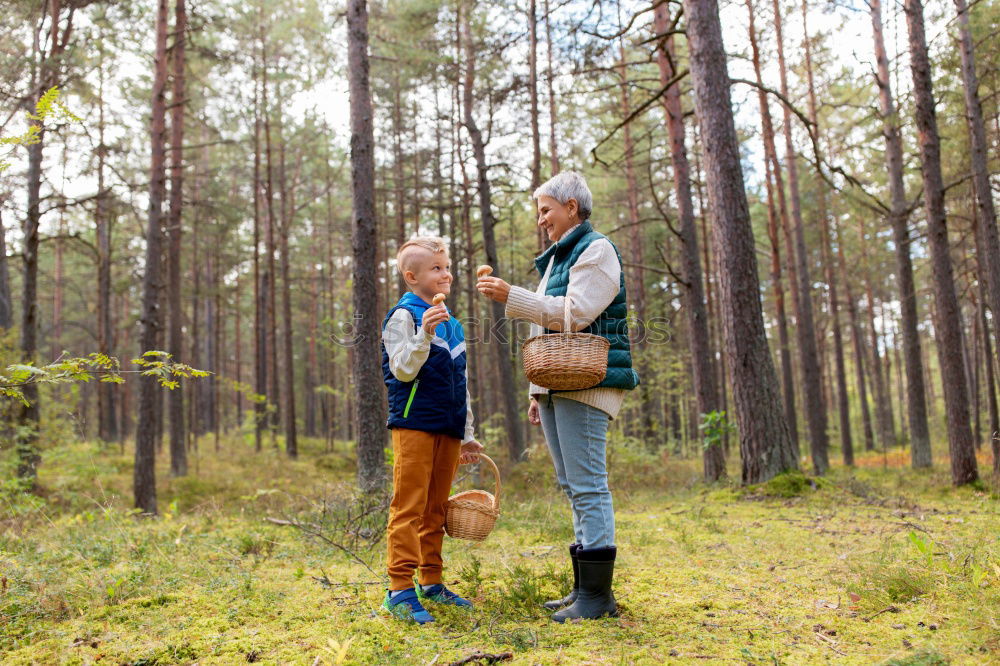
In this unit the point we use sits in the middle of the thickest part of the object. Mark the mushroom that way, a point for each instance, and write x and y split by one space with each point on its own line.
438 300
483 271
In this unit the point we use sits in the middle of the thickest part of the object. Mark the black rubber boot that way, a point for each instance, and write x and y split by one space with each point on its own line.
594 598
556 604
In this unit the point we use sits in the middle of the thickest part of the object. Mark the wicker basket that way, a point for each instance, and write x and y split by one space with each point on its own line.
566 361
473 513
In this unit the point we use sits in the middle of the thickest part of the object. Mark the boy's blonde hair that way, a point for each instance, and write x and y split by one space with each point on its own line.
404 257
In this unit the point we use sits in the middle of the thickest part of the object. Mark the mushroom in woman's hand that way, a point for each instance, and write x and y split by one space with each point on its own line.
492 287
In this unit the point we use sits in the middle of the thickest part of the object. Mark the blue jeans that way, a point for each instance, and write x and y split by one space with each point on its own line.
577 437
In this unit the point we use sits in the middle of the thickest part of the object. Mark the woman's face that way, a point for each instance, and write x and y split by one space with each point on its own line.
556 218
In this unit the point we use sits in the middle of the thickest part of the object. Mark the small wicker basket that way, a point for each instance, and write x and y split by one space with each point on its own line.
566 361
473 513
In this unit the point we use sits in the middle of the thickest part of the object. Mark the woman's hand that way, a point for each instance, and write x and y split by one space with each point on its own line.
493 288
469 453
533 416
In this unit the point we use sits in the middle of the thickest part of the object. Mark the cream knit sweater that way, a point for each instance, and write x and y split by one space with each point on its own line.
594 281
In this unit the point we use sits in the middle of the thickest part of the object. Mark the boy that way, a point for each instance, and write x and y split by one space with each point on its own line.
423 362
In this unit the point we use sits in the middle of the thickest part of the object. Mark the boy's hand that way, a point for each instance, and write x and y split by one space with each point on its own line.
469 453
533 417
432 317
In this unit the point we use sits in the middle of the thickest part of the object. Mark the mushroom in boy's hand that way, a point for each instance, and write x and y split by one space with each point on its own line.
483 270
438 300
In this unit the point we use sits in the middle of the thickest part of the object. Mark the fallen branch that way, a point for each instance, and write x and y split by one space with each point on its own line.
484 657
829 642
313 530
887 609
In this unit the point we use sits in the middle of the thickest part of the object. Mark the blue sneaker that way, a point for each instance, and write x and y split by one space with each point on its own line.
406 606
442 595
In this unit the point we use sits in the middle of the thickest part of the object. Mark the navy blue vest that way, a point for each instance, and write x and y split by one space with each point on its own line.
435 401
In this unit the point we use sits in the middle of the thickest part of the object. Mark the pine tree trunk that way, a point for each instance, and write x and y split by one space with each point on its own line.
916 401
699 339
859 347
269 285
259 359
947 323
636 284
145 434
6 305
991 388
549 77
288 358
804 326
501 346
178 450
775 191
369 401
107 424
765 443
843 407
44 75
536 141
986 216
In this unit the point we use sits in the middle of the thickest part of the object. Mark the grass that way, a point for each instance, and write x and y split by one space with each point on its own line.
879 565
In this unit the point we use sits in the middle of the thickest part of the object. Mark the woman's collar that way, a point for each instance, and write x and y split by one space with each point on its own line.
569 231
567 240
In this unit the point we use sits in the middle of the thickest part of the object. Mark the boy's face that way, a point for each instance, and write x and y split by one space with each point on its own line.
430 274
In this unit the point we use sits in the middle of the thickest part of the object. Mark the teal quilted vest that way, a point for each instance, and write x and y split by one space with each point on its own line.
612 323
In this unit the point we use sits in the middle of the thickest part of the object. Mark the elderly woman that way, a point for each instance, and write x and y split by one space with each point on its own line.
583 266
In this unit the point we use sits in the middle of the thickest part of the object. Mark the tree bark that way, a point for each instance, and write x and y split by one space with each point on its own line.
369 402
636 286
536 141
916 401
107 424
775 193
549 78
765 442
515 433
949 337
269 285
260 342
178 450
986 216
144 481
859 346
700 342
6 305
288 358
805 328
843 406
44 75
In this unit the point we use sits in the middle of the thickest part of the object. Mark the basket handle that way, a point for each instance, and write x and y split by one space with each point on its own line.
566 314
496 474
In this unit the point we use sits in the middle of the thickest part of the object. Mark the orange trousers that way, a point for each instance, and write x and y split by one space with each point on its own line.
424 467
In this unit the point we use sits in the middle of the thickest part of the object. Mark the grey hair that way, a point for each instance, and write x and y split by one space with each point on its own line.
565 186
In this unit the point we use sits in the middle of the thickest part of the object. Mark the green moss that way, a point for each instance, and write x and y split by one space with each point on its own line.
701 572
788 484
922 658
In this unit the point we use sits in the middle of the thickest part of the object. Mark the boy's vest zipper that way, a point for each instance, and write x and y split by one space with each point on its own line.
409 401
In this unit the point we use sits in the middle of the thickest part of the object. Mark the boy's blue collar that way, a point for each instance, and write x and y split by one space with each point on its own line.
409 298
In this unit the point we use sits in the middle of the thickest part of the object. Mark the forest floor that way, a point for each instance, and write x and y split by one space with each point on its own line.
877 565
